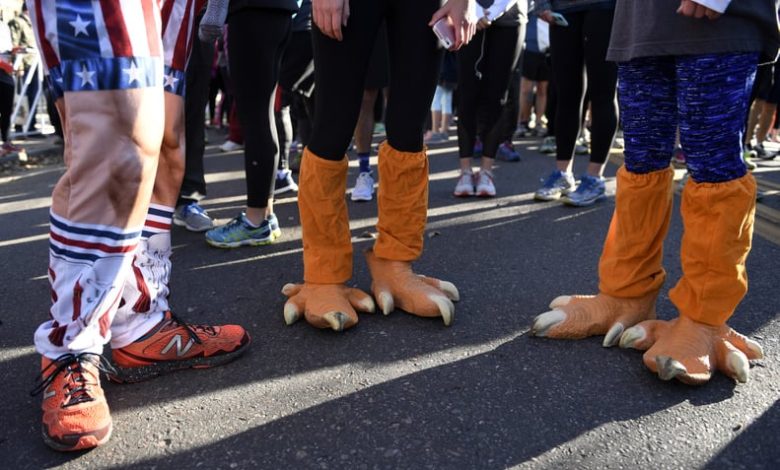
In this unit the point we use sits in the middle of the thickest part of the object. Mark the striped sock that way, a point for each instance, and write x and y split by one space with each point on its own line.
158 220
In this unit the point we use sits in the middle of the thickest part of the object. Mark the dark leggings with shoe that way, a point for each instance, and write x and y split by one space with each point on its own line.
484 68
340 69
255 48
583 45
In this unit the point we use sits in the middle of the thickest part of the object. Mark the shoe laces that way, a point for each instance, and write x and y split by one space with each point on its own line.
236 223
588 182
485 177
466 178
194 208
192 330
78 388
552 178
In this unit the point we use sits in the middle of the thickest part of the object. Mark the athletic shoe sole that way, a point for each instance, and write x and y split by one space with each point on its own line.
464 194
585 203
142 373
286 189
248 242
181 223
75 442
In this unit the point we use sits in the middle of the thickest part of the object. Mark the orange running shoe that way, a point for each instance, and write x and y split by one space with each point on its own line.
75 412
173 345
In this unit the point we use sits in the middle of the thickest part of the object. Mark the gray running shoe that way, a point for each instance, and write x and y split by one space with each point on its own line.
192 217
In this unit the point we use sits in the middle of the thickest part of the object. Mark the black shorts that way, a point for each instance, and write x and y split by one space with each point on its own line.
535 66
767 85
378 73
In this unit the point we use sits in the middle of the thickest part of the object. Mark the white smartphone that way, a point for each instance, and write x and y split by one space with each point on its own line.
445 32
559 19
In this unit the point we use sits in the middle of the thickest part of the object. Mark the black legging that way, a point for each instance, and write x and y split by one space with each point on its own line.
484 68
256 42
340 69
6 105
193 185
297 66
583 45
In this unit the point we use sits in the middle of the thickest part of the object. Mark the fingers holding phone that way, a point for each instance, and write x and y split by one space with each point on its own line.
460 16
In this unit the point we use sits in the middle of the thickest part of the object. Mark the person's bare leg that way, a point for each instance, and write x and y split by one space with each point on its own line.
768 111
541 100
564 165
753 116
364 129
526 99
256 215
436 122
445 122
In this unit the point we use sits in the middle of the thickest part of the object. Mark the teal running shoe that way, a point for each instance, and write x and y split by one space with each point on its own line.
238 232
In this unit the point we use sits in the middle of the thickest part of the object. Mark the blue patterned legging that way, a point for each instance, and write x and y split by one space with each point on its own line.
706 95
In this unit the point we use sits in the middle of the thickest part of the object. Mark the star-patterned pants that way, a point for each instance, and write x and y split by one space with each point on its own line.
108 61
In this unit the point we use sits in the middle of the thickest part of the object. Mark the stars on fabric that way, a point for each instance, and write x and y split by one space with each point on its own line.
86 77
133 73
80 26
170 81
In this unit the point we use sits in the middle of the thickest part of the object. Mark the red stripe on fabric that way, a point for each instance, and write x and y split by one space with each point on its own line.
160 225
77 291
144 302
105 320
92 246
181 51
165 14
152 34
278 99
57 334
116 27
48 52
52 274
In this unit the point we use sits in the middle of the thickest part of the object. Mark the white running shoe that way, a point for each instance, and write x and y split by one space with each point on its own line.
465 186
230 146
485 186
364 187
284 182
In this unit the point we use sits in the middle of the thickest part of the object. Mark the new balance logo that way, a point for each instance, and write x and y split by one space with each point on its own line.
176 341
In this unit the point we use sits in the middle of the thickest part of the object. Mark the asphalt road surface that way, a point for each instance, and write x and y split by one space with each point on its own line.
401 391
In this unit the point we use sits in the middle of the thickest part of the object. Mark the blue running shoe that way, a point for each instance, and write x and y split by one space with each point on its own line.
559 183
506 152
193 217
590 190
238 232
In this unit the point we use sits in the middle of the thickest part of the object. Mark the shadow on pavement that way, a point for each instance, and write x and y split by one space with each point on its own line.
492 410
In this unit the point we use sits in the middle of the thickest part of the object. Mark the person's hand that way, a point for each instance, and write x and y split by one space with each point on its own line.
695 10
461 17
330 16
546 16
